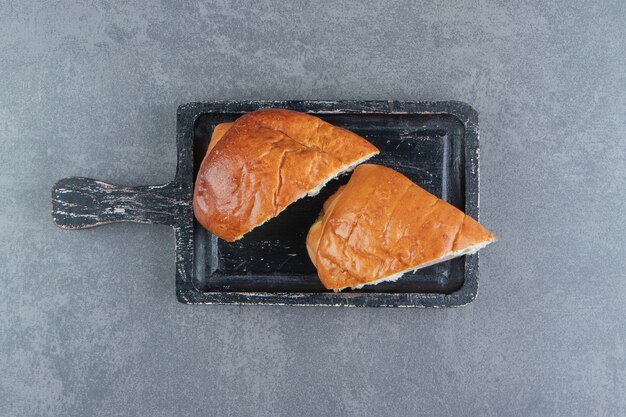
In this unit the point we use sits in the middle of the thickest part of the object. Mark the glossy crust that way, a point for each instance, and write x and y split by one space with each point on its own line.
381 224
265 161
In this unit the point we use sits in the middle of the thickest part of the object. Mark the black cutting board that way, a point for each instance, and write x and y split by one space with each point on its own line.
435 144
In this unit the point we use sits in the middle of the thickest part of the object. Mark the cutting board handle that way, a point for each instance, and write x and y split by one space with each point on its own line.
79 203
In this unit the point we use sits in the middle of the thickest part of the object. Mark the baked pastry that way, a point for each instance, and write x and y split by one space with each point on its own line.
218 134
381 225
265 161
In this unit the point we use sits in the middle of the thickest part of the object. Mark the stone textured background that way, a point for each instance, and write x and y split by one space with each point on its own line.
89 323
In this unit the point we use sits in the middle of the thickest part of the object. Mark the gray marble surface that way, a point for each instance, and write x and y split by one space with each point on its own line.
89 323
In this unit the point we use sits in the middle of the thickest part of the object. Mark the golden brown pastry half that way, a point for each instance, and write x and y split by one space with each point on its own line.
381 225
265 161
